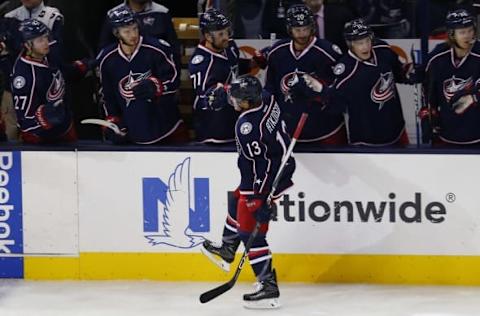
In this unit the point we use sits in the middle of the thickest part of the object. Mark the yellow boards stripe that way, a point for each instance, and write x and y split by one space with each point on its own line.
51 268
311 268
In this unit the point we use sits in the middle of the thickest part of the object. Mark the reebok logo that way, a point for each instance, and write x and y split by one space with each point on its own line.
6 208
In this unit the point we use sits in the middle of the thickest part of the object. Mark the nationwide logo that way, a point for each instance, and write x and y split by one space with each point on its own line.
176 211
389 210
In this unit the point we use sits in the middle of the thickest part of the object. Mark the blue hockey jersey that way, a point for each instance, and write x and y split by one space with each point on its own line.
262 142
366 92
318 59
154 21
9 29
444 77
149 121
207 68
35 83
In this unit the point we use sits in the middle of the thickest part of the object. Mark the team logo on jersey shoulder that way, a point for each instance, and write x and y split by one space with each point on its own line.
337 49
197 59
339 69
246 128
19 82
164 42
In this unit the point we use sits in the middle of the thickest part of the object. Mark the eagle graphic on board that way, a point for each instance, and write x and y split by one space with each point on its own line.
174 229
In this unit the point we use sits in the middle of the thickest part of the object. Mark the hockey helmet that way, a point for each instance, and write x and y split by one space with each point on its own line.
213 20
459 19
32 29
121 16
356 30
246 88
299 15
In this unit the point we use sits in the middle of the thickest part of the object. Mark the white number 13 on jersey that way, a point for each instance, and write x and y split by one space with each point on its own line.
254 149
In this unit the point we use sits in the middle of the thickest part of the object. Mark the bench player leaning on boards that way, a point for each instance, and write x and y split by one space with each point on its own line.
154 20
452 83
304 53
38 89
214 64
365 89
262 142
139 82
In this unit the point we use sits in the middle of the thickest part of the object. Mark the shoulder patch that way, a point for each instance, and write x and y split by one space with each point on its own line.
339 69
163 42
19 82
337 49
246 128
197 59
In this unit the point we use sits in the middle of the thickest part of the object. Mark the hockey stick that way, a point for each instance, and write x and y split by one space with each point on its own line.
114 127
213 293
418 97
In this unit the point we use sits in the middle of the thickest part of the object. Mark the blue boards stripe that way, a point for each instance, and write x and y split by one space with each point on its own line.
11 221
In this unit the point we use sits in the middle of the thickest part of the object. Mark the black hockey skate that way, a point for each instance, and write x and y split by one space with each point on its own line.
222 255
266 294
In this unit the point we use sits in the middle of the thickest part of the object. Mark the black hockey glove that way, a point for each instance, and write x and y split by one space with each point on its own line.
148 89
50 114
217 98
114 137
415 73
260 58
257 204
264 213
306 88
85 65
429 123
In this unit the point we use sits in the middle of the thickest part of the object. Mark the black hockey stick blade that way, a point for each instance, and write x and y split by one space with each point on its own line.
219 290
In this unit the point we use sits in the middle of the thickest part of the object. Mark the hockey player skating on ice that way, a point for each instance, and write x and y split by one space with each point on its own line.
139 82
365 89
214 63
304 53
452 85
262 142
38 89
